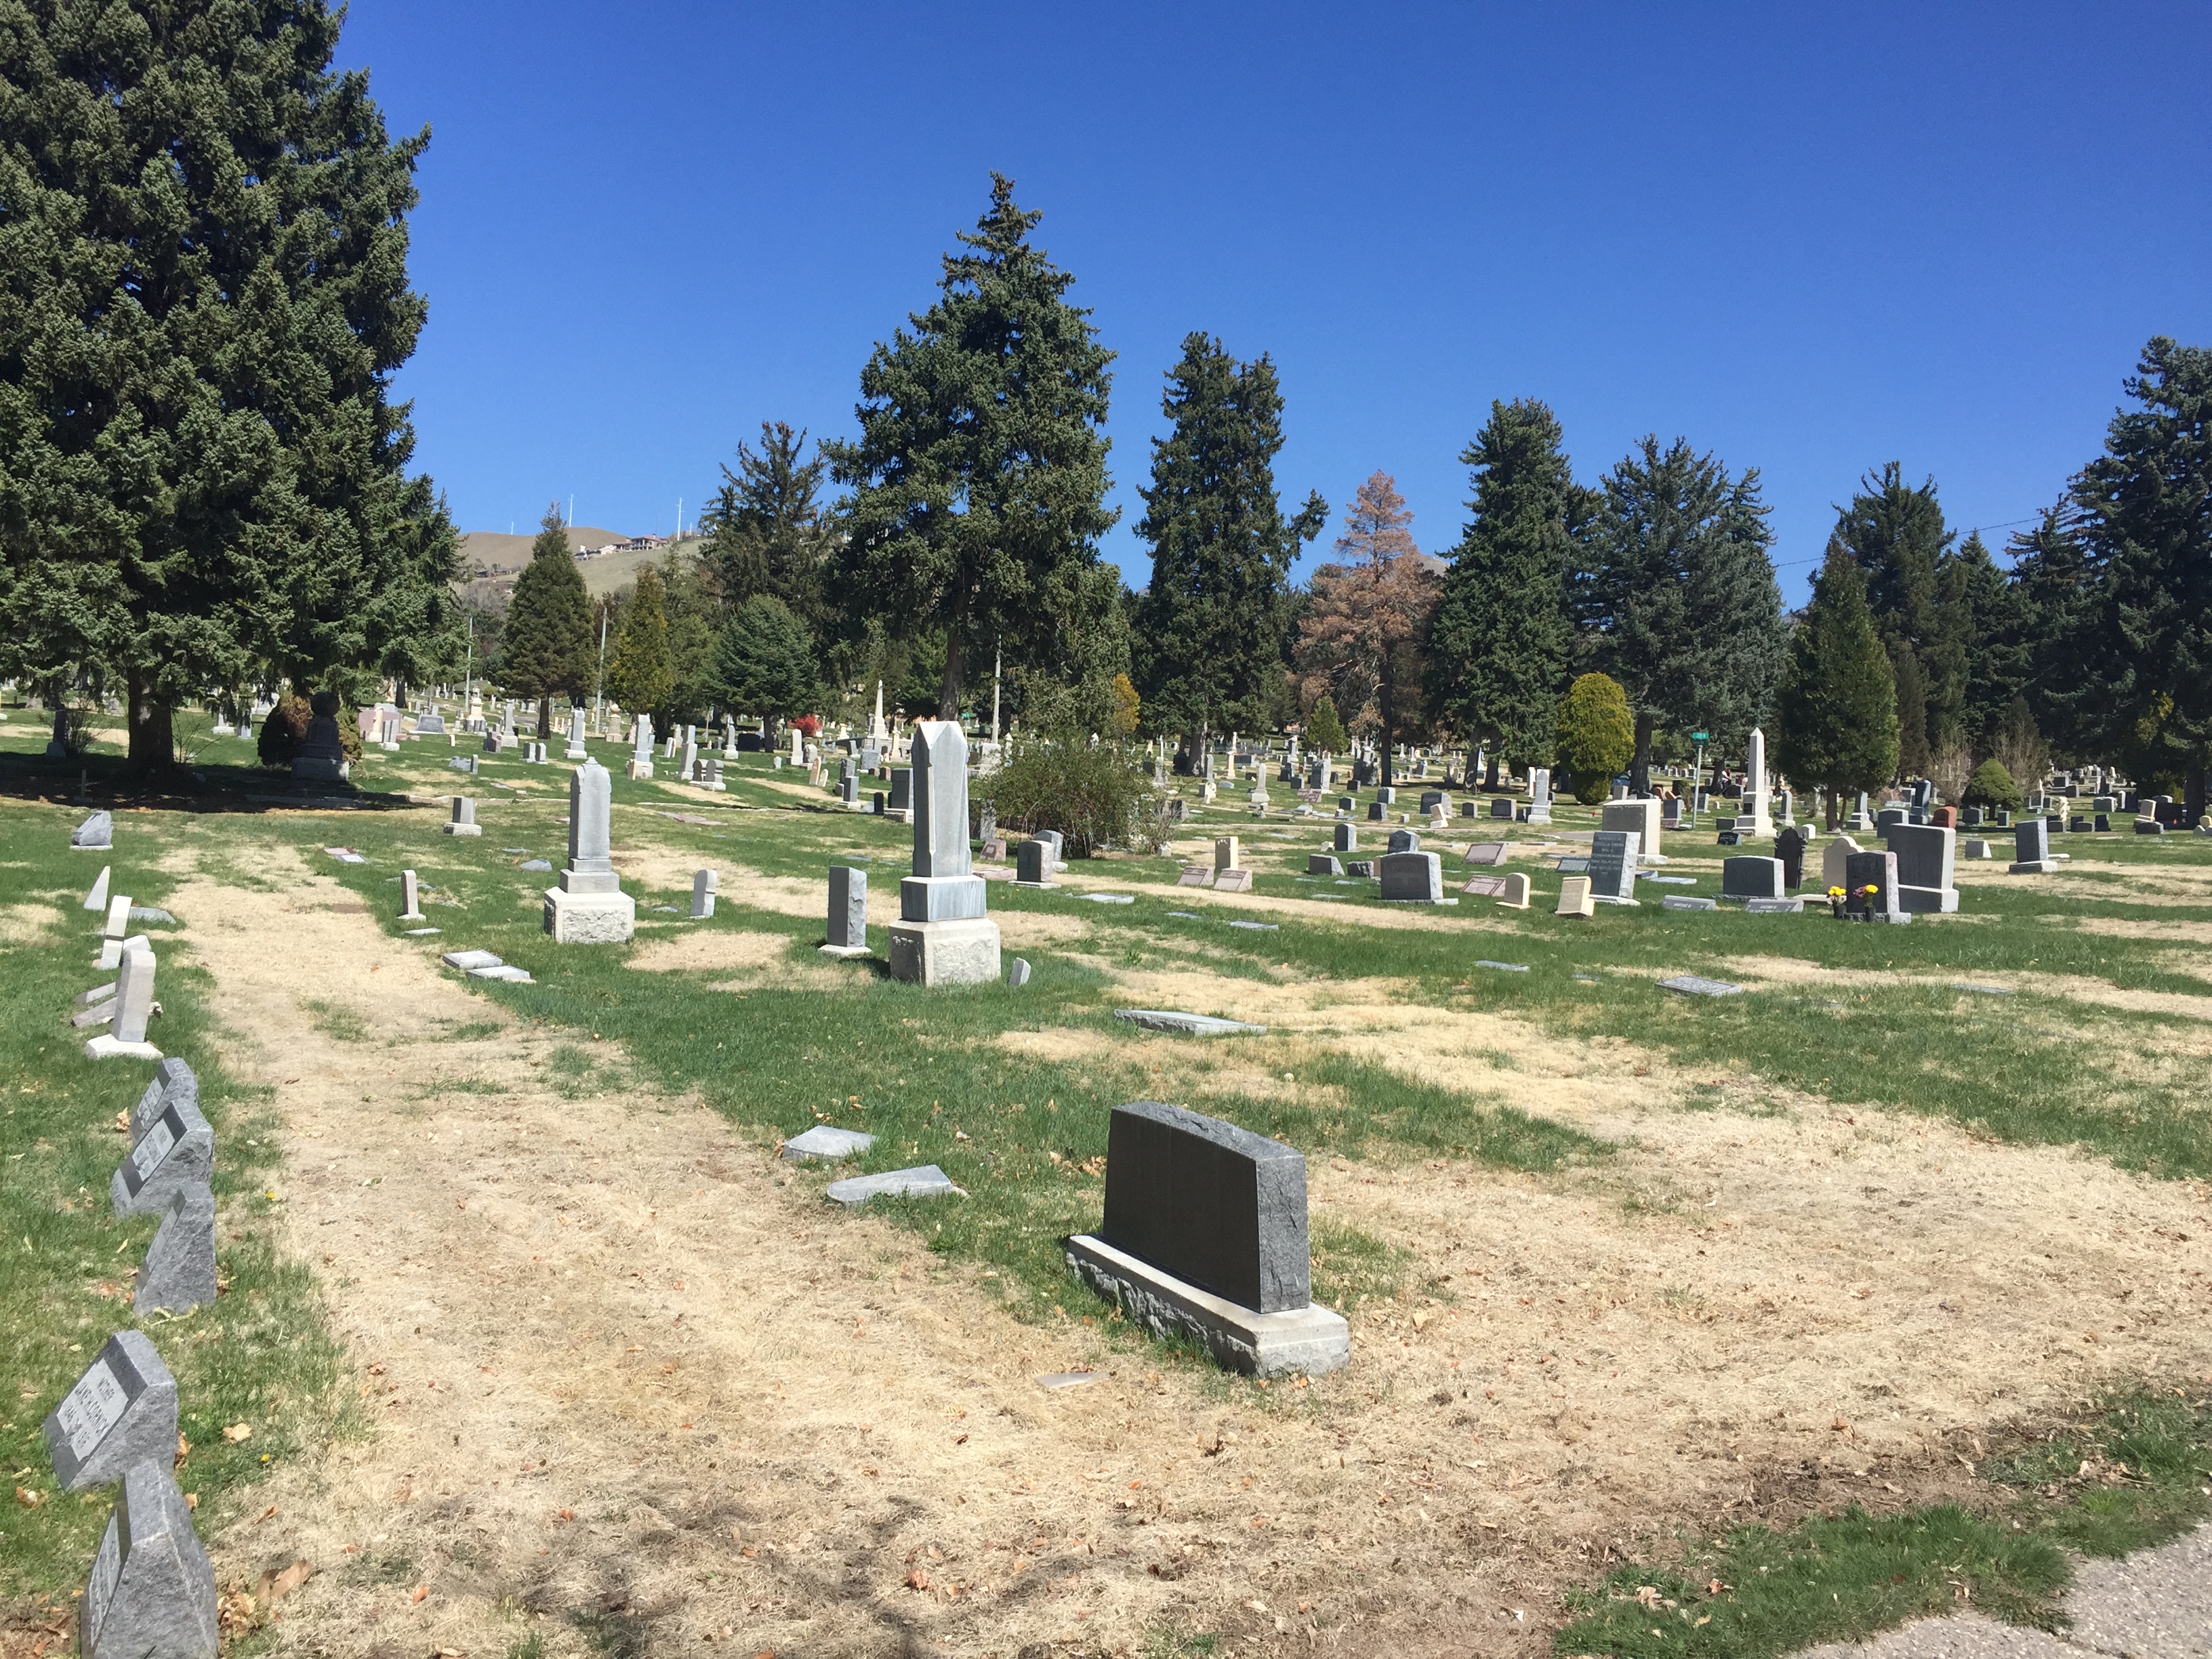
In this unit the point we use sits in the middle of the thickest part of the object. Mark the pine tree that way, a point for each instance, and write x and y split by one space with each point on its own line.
1895 532
767 532
1500 648
1367 620
1911 695
1595 735
1997 631
1324 732
2140 670
765 661
1837 706
694 622
638 674
545 646
1678 596
1209 626
202 305
979 476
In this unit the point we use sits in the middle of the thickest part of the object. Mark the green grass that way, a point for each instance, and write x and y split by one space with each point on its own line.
260 1355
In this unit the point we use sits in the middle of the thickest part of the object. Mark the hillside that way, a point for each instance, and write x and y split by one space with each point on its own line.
502 556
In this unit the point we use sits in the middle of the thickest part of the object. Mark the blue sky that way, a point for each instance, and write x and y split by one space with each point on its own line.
1810 239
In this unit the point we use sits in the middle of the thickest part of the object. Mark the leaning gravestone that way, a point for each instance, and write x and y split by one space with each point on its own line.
151 1594
124 1408
1205 1235
96 835
179 1273
1413 879
133 1007
176 1151
173 1083
1751 878
96 900
589 906
1574 898
1613 866
849 912
944 935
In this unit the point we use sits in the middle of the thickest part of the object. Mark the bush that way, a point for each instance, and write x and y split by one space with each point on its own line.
1992 785
278 741
1325 733
1095 797
1597 735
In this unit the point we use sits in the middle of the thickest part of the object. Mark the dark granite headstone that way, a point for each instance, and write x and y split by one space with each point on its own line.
1790 848
1348 838
122 1409
1878 871
1403 841
176 1151
151 1592
1374 813
1613 866
1208 1202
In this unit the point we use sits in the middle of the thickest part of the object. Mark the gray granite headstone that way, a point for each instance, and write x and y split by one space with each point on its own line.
702 895
1403 841
177 1150
1751 878
179 1273
2031 846
848 907
1033 863
1690 985
96 833
1411 879
124 1408
1790 848
1374 812
151 1593
1613 866
1686 902
1017 973
1501 808
827 1142
1878 871
1323 863
1169 1019
1348 838
902 790
1774 907
172 1080
926 1182
1925 855
1209 1202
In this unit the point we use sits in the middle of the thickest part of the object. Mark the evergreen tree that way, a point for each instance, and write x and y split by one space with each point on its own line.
546 645
1677 597
1837 706
2051 577
1595 735
1998 639
765 662
203 478
2138 677
1209 626
1895 532
1367 620
638 674
766 532
694 622
1910 690
1501 645
979 476
1324 731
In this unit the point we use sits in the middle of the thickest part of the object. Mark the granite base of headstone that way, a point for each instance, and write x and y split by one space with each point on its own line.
1204 1237
849 912
151 1592
178 1274
122 1409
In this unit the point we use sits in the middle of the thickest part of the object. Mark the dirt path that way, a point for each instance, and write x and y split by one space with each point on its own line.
614 1369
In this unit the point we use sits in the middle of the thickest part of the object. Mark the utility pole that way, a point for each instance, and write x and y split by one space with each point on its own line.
599 693
468 673
997 662
572 509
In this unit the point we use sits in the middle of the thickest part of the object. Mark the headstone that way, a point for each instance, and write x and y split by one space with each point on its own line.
1323 863
1485 887
640 758
1017 973
1975 847
1619 791
589 907
1751 878
1575 899
1205 1235
1238 880
943 936
1832 858
1193 875
1484 852
115 929
96 835
179 1273
1502 807
1413 879
122 1410
1403 841
1375 814
926 1182
1516 895
1774 907
464 821
57 744
1924 854
901 800
2031 847
1756 798
1539 795
1225 853
151 1592
1642 817
322 750
1686 902
1613 866
826 1142
96 900
175 1150
1033 865
410 897
1879 872
1790 848
134 1006
702 895
849 912
428 724
2150 826
1348 838
1946 818
1692 985
172 1082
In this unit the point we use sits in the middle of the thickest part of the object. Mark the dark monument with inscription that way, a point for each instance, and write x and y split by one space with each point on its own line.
151 1593
1204 1236
124 1408
175 1150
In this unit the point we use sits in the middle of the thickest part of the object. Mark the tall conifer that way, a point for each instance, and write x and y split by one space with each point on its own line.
1498 655
1896 533
1836 708
546 645
202 300
1209 628
640 674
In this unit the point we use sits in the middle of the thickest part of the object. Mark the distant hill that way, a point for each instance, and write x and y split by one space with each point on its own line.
502 556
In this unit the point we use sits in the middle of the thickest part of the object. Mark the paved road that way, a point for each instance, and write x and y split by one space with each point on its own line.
2157 1605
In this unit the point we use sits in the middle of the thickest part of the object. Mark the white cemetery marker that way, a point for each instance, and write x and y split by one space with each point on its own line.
410 897
134 1005
589 907
124 1408
702 895
111 933
943 936
97 899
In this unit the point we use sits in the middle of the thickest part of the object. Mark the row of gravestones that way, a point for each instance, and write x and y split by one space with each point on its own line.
151 1589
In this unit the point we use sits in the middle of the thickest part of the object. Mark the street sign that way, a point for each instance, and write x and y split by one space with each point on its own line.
1700 737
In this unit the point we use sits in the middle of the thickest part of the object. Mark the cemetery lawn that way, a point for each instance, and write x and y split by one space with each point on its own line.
1643 1287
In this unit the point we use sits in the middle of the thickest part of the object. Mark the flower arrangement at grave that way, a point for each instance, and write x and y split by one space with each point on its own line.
1836 896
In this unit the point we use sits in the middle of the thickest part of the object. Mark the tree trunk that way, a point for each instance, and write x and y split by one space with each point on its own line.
2192 793
153 737
948 694
1833 799
1639 770
544 714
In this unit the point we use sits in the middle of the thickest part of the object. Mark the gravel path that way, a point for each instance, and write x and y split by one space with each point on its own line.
2156 1605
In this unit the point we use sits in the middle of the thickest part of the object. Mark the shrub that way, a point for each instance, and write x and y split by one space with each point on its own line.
1096 796
1597 735
1325 733
282 734
1992 785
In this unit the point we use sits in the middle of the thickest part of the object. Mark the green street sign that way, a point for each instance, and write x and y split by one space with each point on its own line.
1699 737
